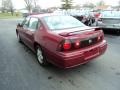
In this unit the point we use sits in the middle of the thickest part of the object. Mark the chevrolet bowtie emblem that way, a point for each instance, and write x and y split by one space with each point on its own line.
90 41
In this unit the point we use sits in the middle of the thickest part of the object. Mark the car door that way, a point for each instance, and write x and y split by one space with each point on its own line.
29 34
24 28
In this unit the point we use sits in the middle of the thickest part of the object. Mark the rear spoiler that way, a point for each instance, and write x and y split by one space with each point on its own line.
69 33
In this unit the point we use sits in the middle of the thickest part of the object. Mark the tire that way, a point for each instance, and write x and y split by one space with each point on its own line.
118 32
40 56
18 37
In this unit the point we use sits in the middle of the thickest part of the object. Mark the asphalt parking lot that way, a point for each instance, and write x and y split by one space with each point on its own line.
19 69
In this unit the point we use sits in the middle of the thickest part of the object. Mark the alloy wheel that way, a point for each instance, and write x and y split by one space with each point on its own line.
40 56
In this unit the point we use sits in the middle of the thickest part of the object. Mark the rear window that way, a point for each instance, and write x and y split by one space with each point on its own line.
62 22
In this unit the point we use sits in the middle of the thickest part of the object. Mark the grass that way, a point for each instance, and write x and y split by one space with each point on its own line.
9 16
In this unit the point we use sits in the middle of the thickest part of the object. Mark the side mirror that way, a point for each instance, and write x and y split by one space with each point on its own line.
20 25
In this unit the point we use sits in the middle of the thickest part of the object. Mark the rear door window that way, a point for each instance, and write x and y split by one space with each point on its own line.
33 24
25 22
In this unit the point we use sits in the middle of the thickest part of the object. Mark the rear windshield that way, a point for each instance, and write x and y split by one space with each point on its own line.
62 22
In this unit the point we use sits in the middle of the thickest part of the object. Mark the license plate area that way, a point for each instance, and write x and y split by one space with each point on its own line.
91 53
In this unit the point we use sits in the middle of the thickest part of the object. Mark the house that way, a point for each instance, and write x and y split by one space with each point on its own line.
104 7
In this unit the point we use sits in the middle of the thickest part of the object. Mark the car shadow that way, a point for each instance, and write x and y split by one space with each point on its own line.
111 32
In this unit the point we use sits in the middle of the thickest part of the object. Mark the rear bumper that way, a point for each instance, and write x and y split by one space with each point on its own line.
72 59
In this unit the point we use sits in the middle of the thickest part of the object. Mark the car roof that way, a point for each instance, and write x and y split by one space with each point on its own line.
44 15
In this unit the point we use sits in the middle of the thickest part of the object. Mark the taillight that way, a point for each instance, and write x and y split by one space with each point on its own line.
66 45
100 38
74 44
77 43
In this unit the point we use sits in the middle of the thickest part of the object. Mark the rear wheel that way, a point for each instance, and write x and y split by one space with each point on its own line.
40 56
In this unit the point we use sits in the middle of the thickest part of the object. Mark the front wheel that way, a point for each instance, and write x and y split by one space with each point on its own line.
40 56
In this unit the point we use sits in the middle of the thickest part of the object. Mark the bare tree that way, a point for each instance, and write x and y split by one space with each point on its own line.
4 5
10 7
67 4
29 5
36 9
35 3
119 5
101 3
77 6
89 5
7 6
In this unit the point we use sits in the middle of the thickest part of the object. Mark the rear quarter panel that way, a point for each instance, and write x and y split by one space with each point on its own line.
48 40
52 41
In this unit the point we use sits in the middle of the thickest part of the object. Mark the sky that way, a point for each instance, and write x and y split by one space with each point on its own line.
18 4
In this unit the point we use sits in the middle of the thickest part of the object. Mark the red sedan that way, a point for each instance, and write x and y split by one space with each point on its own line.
61 40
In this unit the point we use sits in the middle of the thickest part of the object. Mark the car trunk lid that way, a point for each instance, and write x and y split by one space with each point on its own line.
87 36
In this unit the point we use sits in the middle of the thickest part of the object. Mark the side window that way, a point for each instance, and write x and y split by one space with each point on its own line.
25 22
33 24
